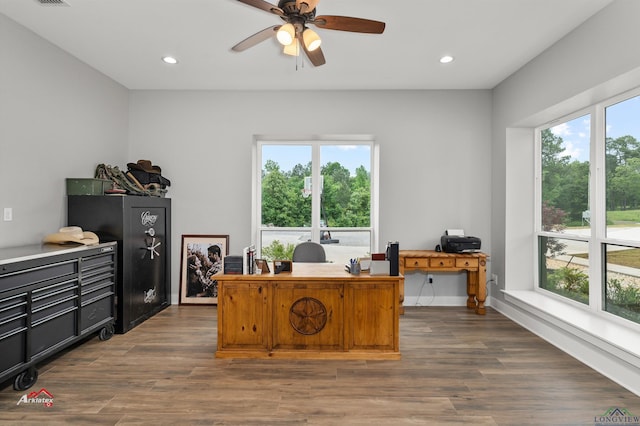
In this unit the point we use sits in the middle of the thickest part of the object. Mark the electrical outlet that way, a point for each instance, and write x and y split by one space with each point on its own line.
494 278
8 214
430 278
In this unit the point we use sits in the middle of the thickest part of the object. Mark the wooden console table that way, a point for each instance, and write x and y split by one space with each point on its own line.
475 264
316 311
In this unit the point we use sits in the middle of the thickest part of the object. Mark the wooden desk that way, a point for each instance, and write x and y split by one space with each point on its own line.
475 264
316 311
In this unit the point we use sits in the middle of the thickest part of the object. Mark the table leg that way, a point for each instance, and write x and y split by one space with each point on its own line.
472 289
401 291
481 295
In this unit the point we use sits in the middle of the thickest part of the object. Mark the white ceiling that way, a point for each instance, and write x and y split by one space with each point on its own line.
125 40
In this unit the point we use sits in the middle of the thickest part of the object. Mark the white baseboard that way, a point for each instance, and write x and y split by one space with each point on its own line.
435 301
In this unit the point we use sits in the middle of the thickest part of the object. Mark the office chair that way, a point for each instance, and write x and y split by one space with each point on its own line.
309 252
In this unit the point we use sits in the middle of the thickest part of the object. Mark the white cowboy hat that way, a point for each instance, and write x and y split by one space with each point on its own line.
72 234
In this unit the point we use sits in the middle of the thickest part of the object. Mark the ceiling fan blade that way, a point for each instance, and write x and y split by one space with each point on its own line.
347 23
258 37
306 6
316 56
264 5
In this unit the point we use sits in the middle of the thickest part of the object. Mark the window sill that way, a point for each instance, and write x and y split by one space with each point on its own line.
617 339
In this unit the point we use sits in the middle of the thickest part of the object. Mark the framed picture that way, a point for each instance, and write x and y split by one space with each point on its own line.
201 260
282 266
263 265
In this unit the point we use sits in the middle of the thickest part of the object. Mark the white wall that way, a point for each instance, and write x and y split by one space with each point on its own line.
596 61
58 119
435 159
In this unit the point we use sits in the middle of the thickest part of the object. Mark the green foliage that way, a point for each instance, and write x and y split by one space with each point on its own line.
570 279
625 216
565 183
278 251
622 161
624 295
570 282
345 199
282 202
553 167
623 300
624 184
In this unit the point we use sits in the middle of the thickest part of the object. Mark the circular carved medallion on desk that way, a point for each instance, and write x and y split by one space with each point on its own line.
308 316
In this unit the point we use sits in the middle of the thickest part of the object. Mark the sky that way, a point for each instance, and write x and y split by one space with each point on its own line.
349 156
622 119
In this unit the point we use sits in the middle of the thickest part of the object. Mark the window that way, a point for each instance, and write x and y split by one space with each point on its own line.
340 212
564 209
564 267
588 220
622 180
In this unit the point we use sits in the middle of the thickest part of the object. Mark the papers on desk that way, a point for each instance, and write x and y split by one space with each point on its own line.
379 267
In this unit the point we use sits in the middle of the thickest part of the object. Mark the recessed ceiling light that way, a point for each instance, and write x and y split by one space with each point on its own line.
169 60
446 59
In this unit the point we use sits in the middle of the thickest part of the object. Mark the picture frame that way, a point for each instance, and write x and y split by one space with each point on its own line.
263 265
201 257
282 266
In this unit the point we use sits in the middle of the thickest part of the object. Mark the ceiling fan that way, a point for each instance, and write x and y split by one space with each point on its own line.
294 34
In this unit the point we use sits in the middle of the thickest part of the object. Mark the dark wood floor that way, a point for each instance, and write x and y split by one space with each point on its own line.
456 368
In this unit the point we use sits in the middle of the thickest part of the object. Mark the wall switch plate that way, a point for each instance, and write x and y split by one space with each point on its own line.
8 214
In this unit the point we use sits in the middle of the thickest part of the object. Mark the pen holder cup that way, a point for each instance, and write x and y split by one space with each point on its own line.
355 269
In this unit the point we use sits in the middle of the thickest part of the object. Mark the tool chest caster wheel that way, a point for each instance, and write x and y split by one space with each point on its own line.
26 379
107 332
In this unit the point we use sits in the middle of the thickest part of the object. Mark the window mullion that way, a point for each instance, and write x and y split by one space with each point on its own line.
597 206
315 193
256 199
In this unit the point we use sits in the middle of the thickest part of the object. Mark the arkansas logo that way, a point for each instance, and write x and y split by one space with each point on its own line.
41 397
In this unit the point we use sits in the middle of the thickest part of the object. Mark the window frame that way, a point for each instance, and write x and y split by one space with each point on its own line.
598 239
315 141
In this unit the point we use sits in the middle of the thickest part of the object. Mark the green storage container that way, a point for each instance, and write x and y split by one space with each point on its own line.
82 186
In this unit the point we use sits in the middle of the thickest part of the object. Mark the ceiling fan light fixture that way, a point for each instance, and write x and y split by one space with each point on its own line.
293 49
286 34
297 14
311 40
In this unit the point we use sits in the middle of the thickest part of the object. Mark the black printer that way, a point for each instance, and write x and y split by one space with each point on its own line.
459 244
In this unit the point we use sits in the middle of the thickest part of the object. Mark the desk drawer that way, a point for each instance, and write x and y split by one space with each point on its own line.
442 262
466 263
414 262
